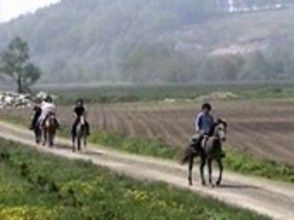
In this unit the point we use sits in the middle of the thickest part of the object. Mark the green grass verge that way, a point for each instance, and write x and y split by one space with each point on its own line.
242 163
39 186
135 145
152 93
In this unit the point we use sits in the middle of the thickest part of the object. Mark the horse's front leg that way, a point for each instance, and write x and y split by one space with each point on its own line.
51 139
210 171
221 168
191 163
85 141
73 143
44 137
202 165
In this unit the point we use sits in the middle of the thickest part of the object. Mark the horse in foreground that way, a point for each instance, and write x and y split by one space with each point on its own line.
79 136
210 151
49 130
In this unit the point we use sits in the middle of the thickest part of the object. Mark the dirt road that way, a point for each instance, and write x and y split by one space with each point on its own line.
273 199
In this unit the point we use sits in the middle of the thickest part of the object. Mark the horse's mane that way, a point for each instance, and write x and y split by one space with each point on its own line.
219 121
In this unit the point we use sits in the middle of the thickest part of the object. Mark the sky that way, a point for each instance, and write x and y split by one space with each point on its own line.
10 9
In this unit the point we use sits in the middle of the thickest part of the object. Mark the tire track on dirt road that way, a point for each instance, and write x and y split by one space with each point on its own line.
266 197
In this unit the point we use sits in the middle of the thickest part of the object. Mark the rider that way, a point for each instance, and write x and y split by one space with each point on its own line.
204 126
37 113
79 111
48 107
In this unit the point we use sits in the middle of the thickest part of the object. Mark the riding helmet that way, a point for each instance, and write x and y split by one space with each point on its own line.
206 106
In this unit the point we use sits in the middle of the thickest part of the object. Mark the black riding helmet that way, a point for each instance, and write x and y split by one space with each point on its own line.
81 101
206 106
49 99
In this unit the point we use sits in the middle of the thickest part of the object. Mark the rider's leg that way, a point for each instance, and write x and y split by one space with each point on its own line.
74 127
223 154
198 142
34 121
87 127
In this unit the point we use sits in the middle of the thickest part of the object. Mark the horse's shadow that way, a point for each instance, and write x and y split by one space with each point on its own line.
93 153
237 186
88 152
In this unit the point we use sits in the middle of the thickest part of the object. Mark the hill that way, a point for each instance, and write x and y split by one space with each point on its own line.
159 41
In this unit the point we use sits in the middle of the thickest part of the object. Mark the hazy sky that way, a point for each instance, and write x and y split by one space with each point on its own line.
12 8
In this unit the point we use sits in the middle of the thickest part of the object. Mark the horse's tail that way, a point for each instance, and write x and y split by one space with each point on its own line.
186 156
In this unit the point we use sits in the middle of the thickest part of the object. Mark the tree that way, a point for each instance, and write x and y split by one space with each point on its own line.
16 67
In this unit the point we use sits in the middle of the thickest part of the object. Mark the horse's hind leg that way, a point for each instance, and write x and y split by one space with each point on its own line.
221 168
210 171
73 143
44 137
79 143
202 165
85 141
191 163
51 139
37 138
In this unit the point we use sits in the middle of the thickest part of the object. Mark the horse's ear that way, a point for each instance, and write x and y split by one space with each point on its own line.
222 120
225 122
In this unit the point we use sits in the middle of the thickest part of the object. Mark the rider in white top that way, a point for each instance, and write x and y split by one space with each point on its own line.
47 107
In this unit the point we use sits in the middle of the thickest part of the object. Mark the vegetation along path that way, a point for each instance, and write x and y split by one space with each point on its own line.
273 199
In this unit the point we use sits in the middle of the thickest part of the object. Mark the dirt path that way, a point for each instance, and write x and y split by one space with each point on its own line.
265 197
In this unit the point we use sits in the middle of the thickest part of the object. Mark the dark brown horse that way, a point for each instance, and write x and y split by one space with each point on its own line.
79 136
211 150
49 130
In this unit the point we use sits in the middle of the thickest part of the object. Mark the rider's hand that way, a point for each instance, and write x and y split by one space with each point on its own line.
201 132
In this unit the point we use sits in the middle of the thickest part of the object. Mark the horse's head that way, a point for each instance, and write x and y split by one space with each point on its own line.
220 129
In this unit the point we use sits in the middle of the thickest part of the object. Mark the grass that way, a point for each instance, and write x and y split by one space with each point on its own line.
246 164
39 186
153 93
135 145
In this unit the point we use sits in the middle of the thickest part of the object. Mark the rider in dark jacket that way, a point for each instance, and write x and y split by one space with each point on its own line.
79 111
37 111
204 127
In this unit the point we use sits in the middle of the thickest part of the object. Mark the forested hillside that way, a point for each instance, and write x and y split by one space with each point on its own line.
159 41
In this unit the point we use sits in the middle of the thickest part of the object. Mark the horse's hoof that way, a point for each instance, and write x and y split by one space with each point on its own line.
218 183
212 185
203 183
190 183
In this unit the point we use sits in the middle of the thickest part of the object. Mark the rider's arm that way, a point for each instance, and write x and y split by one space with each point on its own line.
197 122
75 112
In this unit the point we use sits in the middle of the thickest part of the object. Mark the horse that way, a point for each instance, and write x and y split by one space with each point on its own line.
79 135
49 130
211 150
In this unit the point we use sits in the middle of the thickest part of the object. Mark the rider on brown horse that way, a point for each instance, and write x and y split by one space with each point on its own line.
48 108
204 127
79 111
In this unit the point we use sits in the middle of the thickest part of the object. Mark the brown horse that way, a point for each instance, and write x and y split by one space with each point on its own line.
211 150
49 130
79 135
